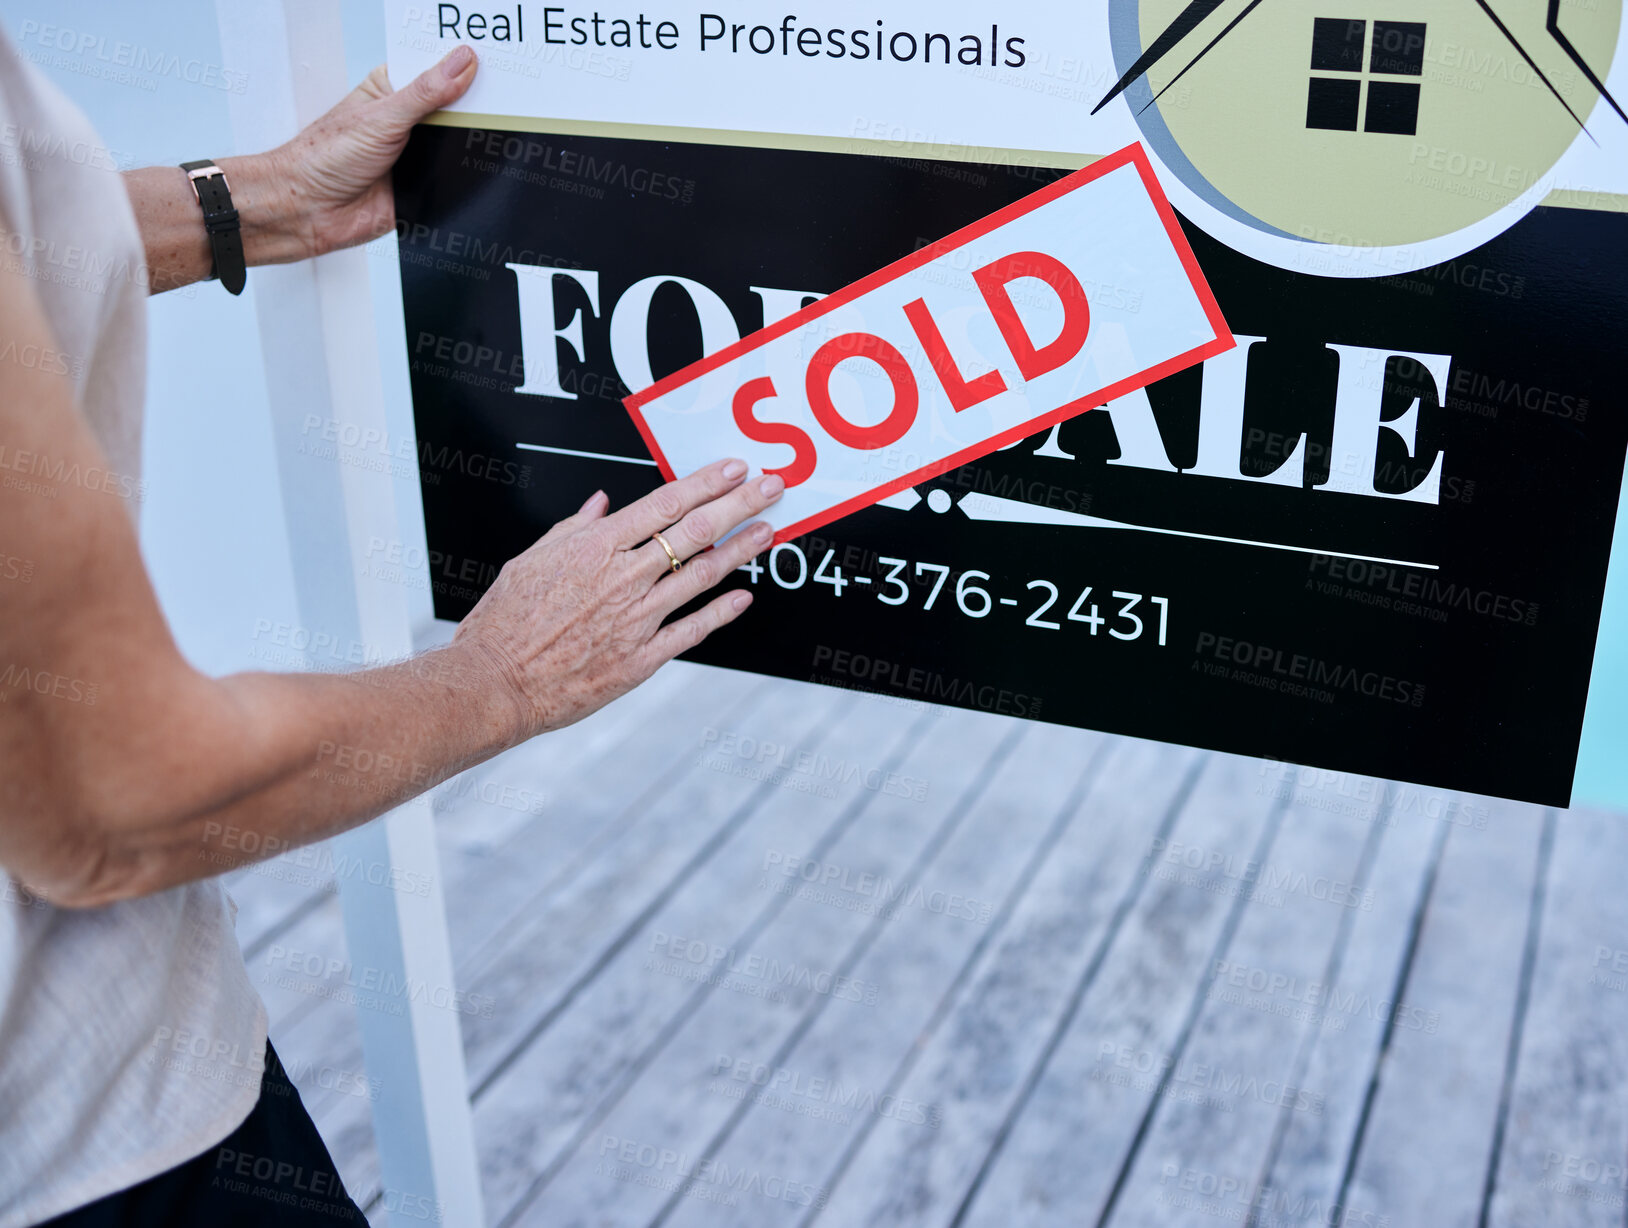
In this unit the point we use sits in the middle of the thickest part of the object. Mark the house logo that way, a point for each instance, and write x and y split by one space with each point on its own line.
1386 134
1394 65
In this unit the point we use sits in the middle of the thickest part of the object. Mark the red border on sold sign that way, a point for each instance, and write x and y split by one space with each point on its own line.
1133 154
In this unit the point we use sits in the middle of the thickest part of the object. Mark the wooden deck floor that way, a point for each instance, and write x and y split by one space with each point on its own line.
916 966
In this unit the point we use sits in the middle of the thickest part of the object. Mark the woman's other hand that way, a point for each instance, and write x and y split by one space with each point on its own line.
576 620
336 173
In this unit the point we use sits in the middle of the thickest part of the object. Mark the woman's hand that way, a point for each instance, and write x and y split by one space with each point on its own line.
576 620
335 175
327 188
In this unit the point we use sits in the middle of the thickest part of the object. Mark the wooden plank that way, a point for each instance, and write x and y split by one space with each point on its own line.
589 801
1306 1164
316 1031
1424 1151
1004 806
1023 961
1545 1134
557 1087
1562 1160
484 888
1236 1073
559 948
271 894
657 851
468 826
1057 1103
293 995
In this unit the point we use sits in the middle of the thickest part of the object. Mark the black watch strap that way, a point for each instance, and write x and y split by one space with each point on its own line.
220 220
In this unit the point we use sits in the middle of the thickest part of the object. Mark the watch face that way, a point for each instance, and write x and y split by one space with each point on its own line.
1366 135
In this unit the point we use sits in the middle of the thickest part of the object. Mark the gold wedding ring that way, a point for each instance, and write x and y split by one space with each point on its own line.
671 557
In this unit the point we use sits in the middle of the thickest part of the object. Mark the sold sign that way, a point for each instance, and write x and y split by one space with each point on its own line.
1058 303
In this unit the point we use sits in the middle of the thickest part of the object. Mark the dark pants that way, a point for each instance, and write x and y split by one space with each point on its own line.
274 1169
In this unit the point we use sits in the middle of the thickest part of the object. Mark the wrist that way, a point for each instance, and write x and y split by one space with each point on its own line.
275 224
498 685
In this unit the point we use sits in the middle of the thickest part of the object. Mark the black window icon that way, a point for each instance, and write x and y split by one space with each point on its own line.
1395 50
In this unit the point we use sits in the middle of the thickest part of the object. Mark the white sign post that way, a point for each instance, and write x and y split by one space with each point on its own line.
317 338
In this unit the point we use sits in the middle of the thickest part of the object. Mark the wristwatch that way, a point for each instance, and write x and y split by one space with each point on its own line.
220 220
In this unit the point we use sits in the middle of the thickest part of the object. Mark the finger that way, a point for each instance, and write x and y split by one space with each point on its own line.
711 522
633 524
374 86
701 573
689 631
584 516
438 86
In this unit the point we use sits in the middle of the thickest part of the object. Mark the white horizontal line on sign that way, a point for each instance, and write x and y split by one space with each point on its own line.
626 460
1015 511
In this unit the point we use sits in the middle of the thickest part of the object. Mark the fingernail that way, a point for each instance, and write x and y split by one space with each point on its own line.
457 60
735 470
761 534
742 600
592 499
772 485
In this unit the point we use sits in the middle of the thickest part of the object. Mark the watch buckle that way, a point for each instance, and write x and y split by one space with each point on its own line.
206 172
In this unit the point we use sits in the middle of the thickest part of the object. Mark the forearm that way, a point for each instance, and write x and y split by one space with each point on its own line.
273 224
271 761
116 755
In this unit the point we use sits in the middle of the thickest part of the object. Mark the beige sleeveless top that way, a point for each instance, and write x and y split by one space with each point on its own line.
130 1037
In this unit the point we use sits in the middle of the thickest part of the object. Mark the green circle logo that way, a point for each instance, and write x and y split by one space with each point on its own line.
1363 123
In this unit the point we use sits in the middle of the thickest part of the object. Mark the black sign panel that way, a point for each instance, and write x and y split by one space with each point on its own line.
1101 576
